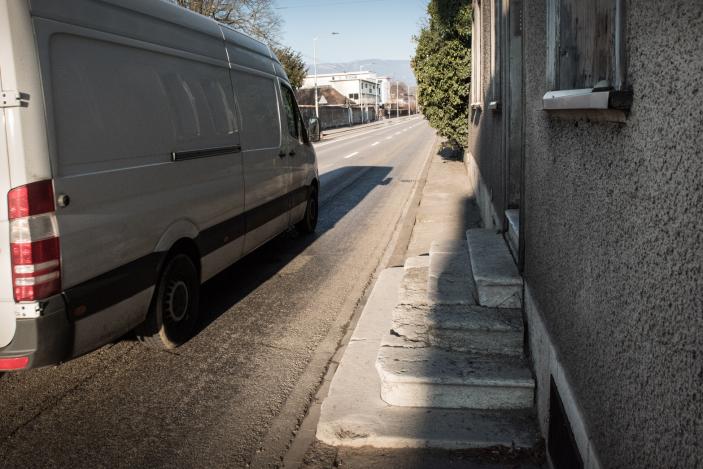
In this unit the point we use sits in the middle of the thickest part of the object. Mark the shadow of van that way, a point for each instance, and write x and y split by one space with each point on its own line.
341 190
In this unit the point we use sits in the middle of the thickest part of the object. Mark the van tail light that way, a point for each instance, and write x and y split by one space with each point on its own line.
34 241
13 363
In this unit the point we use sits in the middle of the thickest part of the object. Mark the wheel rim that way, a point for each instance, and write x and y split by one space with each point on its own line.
176 300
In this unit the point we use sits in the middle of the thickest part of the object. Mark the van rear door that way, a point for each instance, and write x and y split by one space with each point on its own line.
7 313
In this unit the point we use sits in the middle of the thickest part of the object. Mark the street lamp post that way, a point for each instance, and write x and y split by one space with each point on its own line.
314 61
314 65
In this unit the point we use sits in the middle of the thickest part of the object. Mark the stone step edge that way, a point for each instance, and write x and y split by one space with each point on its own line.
420 315
501 258
445 377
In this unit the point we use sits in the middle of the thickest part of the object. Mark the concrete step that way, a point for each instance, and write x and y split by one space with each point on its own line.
449 280
462 328
497 279
413 286
432 377
353 413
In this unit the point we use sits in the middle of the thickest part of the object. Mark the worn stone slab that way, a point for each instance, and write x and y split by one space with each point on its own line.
413 286
463 328
498 282
417 262
448 246
432 377
353 413
449 280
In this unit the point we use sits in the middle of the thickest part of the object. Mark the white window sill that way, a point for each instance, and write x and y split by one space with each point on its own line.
606 105
575 99
477 105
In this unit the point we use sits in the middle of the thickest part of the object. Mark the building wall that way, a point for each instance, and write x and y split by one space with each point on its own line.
348 83
614 244
485 134
385 91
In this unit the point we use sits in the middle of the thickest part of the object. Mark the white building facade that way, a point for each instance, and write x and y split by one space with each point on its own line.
363 88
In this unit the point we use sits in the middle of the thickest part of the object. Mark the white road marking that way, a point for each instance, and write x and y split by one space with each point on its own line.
359 134
375 143
350 155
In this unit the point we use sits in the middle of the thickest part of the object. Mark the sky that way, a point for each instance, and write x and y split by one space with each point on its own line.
381 29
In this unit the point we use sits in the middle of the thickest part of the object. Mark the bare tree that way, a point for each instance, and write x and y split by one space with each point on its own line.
258 18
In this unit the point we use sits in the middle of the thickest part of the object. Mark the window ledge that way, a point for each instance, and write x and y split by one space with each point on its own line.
494 106
587 98
575 99
477 105
605 105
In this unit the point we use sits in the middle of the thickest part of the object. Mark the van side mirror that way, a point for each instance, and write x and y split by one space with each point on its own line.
314 129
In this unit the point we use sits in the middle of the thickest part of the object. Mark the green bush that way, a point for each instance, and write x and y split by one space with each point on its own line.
442 66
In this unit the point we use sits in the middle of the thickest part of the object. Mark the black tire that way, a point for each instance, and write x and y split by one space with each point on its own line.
173 314
309 222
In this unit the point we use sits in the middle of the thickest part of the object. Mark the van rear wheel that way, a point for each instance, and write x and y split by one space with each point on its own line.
173 314
309 222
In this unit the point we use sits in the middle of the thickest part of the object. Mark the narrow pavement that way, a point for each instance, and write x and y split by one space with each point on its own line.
271 322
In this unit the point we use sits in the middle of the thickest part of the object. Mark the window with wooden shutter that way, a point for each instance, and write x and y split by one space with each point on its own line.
585 56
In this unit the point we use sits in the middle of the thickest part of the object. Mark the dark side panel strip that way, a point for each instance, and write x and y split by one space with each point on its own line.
204 153
119 284
112 287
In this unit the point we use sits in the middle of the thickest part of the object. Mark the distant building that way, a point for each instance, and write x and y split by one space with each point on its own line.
361 88
326 95
384 84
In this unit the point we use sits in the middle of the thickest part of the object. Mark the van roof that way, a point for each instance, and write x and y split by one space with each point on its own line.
167 11
236 37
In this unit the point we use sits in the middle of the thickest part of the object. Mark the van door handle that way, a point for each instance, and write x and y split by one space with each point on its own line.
291 153
282 153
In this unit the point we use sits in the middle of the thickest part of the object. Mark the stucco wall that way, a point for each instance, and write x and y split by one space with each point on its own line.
614 242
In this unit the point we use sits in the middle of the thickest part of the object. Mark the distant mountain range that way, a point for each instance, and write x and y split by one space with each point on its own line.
396 69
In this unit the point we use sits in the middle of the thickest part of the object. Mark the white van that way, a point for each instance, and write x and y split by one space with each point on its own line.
143 149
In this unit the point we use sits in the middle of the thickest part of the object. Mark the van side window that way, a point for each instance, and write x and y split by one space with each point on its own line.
289 104
256 95
115 106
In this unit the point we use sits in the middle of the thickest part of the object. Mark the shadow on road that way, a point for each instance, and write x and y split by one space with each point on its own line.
341 190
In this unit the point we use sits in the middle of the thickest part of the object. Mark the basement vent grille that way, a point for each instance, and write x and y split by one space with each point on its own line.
561 444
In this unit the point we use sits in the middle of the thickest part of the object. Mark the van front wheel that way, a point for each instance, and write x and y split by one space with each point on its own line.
173 314
309 222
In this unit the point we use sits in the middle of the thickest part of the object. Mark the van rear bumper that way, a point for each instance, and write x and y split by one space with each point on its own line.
46 340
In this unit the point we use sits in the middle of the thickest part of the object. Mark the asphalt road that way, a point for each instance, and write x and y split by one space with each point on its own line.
271 323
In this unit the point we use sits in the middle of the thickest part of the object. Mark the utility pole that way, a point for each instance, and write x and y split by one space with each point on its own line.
361 106
314 61
314 64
